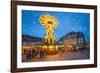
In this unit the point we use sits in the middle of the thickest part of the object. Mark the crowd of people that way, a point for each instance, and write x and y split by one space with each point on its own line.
30 53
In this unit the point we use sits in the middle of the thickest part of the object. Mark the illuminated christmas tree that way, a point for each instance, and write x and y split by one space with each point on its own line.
50 23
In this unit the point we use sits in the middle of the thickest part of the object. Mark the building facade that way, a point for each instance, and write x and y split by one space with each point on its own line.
74 40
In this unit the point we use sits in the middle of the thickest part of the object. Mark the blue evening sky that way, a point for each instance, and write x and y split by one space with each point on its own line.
67 22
